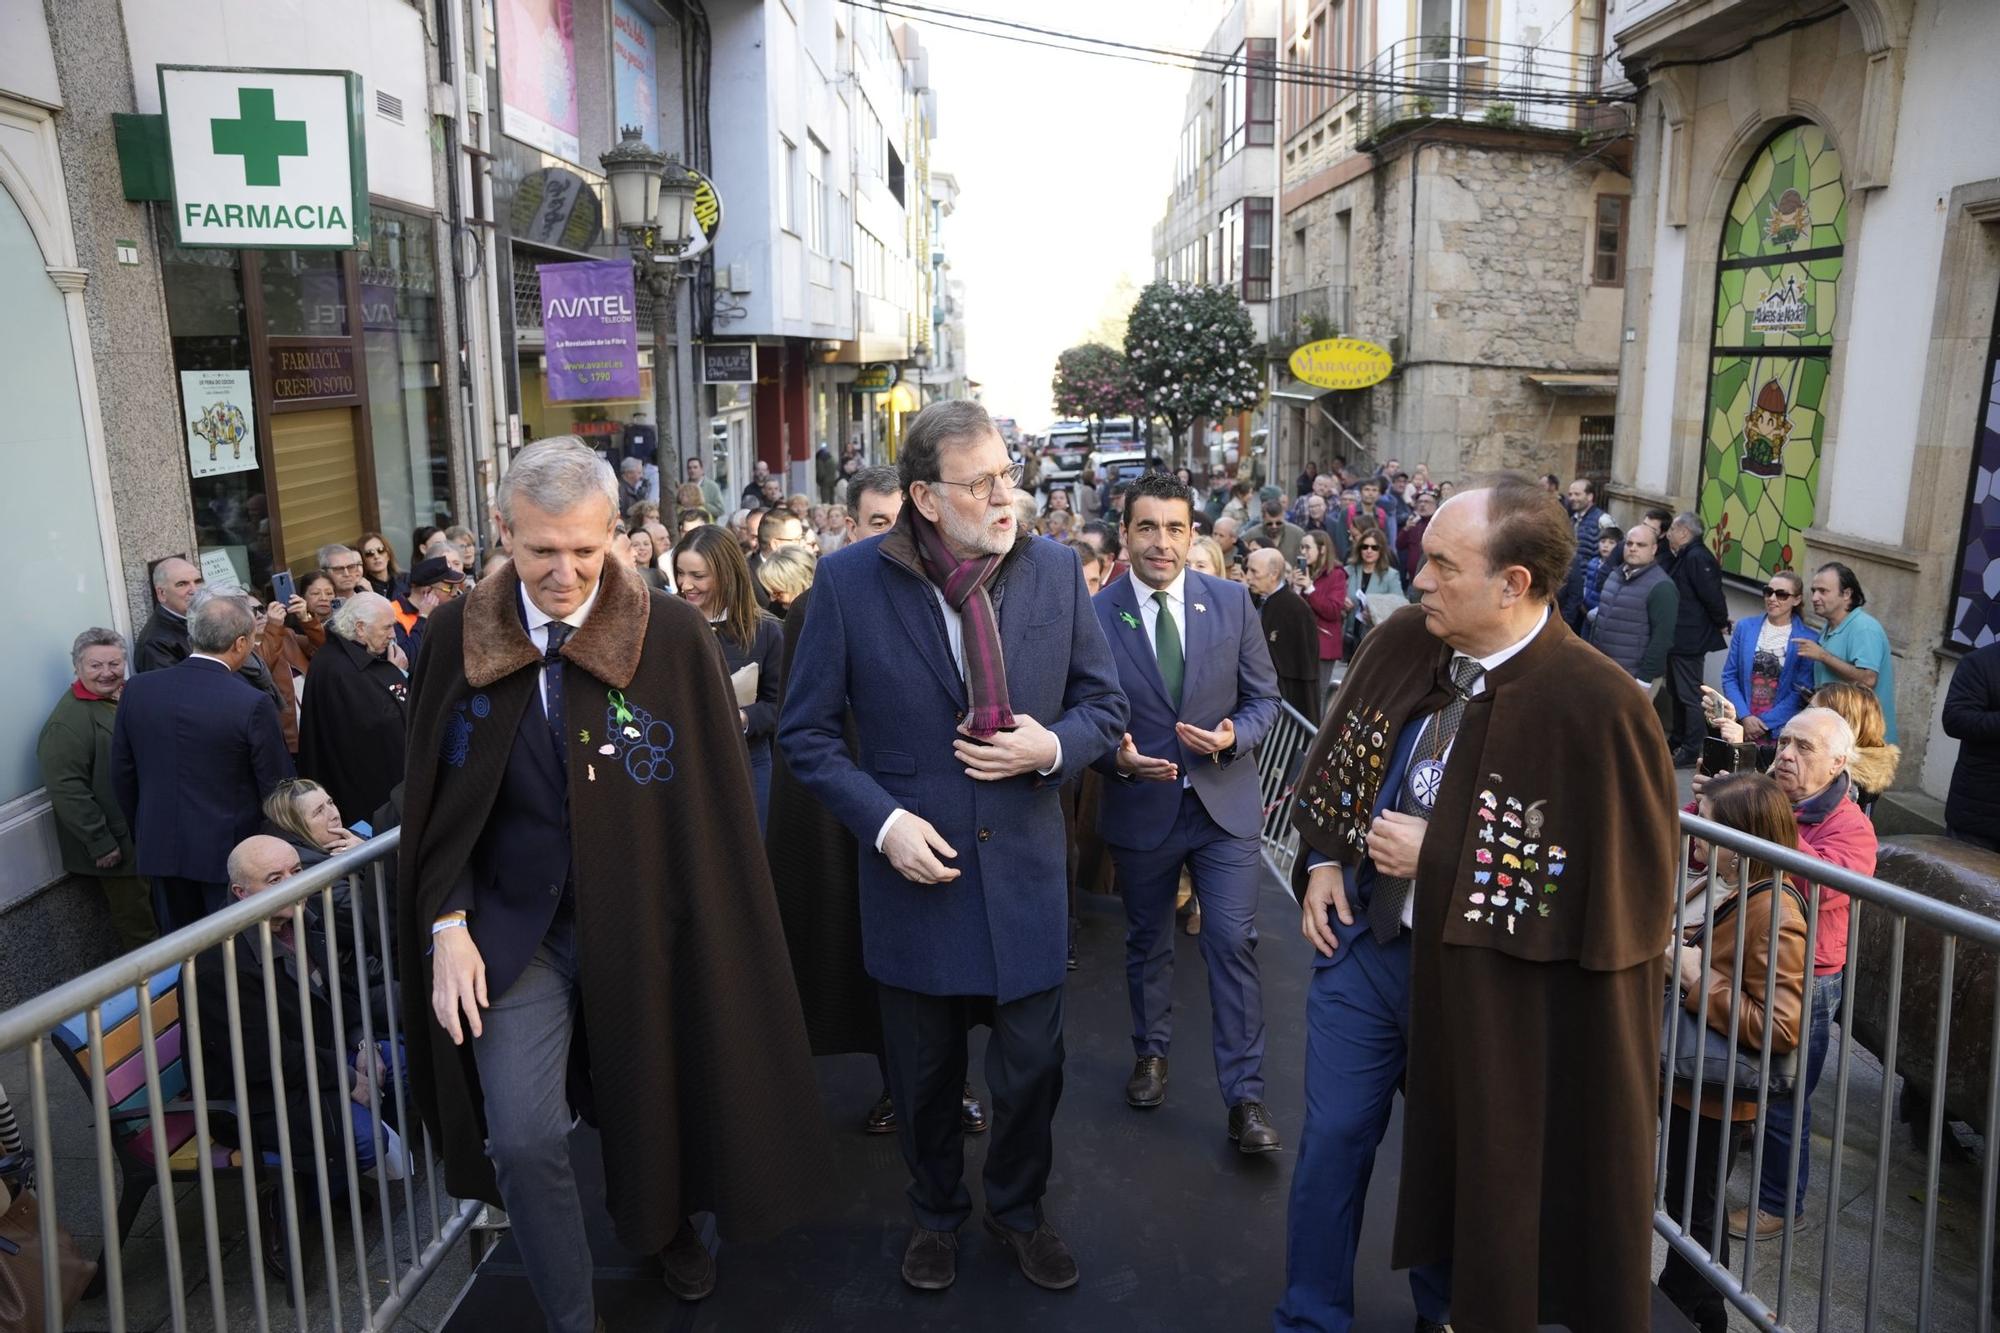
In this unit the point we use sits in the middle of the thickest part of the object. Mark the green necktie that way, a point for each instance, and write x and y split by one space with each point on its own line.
1167 648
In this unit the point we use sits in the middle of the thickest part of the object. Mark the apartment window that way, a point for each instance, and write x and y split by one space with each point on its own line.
1320 51
819 222
895 174
1231 127
1229 236
1260 92
1608 241
1256 249
788 166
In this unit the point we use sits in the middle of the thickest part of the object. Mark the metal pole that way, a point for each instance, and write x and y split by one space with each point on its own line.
661 285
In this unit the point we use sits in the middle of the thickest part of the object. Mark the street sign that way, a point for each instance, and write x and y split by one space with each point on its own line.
266 158
729 363
1341 363
875 379
707 215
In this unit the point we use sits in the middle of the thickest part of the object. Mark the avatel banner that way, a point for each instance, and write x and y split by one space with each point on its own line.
590 331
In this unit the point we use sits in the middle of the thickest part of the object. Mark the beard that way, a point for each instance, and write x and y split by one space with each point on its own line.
978 536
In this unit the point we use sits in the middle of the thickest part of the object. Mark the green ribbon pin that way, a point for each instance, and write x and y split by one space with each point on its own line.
1131 621
617 701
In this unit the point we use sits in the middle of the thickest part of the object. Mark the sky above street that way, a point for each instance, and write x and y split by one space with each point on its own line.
1064 162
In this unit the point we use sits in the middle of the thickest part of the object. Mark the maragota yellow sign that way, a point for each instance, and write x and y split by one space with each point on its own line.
1341 363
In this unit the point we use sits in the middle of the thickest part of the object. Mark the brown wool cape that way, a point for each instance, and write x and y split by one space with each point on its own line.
1544 900
688 1023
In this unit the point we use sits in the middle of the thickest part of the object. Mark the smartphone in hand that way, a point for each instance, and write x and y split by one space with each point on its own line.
283 587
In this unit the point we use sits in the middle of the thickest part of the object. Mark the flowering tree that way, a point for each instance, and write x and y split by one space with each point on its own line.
1093 382
1193 355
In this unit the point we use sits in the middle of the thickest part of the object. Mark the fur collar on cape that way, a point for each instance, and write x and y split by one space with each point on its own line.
607 646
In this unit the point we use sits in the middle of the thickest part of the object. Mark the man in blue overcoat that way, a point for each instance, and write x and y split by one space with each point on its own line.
1191 655
978 681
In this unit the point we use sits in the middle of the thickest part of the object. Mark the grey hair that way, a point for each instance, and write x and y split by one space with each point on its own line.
217 620
1690 522
330 552
95 637
1841 735
945 422
160 576
874 481
555 475
347 617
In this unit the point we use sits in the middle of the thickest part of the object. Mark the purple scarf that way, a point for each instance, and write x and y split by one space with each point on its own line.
964 584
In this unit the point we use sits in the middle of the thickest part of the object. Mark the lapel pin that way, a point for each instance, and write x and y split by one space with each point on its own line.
1131 621
590 772
1199 607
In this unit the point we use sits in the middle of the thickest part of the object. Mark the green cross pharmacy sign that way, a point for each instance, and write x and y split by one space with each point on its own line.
266 158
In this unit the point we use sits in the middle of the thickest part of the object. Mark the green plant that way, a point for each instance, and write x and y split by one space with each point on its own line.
1500 113
1421 105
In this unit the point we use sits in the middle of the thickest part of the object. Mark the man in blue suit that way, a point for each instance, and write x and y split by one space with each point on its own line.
194 752
1191 655
978 682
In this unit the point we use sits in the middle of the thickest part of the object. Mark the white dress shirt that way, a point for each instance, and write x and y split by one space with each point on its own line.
954 633
538 629
1149 616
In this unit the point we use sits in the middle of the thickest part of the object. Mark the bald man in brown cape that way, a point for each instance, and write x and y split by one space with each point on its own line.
1489 820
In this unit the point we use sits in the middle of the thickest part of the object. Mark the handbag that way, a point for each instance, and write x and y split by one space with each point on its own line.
21 1308
1702 1054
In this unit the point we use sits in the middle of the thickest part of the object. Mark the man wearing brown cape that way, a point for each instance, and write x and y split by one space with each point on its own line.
1490 830
584 909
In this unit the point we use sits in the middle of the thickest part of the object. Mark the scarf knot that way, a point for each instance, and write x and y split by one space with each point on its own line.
967 588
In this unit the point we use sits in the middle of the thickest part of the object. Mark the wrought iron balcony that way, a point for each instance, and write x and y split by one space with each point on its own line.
1298 318
1469 79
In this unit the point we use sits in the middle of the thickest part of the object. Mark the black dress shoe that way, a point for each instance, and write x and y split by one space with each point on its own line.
1045 1260
881 1116
271 1234
1250 1125
1430 1326
1148 1085
930 1260
972 1114
688 1267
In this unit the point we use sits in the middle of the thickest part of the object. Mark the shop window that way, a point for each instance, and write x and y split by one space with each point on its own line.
1607 254
305 294
1777 282
1974 610
401 338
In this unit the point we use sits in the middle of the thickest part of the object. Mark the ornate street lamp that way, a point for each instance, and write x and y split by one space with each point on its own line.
652 202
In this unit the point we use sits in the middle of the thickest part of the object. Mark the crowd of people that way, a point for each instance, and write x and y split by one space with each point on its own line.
948 677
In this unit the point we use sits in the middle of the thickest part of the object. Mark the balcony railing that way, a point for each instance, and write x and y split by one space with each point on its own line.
1470 79
1318 312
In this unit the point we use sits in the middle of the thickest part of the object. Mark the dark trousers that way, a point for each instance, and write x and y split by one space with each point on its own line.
1226 875
1714 1140
1684 684
182 902
1357 1041
1782 1139
923 1037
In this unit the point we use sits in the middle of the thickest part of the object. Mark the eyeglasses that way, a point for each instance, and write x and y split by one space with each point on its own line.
1369 546
981 487
344 567
373 551
1782 594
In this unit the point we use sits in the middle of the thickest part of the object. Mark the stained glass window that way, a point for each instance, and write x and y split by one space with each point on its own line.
1975 604
1777 288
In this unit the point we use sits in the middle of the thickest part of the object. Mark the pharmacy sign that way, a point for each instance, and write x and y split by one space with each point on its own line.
266 158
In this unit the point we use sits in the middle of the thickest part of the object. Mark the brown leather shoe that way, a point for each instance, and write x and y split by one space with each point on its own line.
1045 1260
1148 1085
972 1113
1769 1225
688 1267
930 1260
1251 1128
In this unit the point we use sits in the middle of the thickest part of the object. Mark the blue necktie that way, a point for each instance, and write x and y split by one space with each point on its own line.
552 703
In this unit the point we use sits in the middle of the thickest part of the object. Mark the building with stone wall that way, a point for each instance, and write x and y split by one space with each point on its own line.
1448 194
1811 359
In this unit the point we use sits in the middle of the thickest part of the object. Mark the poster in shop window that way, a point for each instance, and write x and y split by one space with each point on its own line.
538 75
590 332
635 71
221 422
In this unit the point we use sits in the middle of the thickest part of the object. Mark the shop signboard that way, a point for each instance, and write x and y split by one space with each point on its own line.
538 75
707 215
729 363
310 372
590 331
221 421
635 72
266 159
1341 363
875 379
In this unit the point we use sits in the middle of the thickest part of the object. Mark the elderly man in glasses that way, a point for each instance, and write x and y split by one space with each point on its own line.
1764 677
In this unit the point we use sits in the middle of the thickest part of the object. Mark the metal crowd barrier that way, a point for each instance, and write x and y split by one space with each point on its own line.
1953 1291
1766 1295
175 1110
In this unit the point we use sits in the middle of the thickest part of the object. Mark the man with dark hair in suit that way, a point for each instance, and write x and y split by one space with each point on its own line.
195 750
978 681
1192 661
164 639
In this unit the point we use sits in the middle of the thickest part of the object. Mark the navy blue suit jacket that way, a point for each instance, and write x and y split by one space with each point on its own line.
194 752
1228 674
1359 878
875 642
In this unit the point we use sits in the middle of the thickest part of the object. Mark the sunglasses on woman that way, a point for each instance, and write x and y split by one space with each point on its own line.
1782 594
1370 546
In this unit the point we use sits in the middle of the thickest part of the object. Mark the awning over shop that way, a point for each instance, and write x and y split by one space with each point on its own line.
1298 391
1577 386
